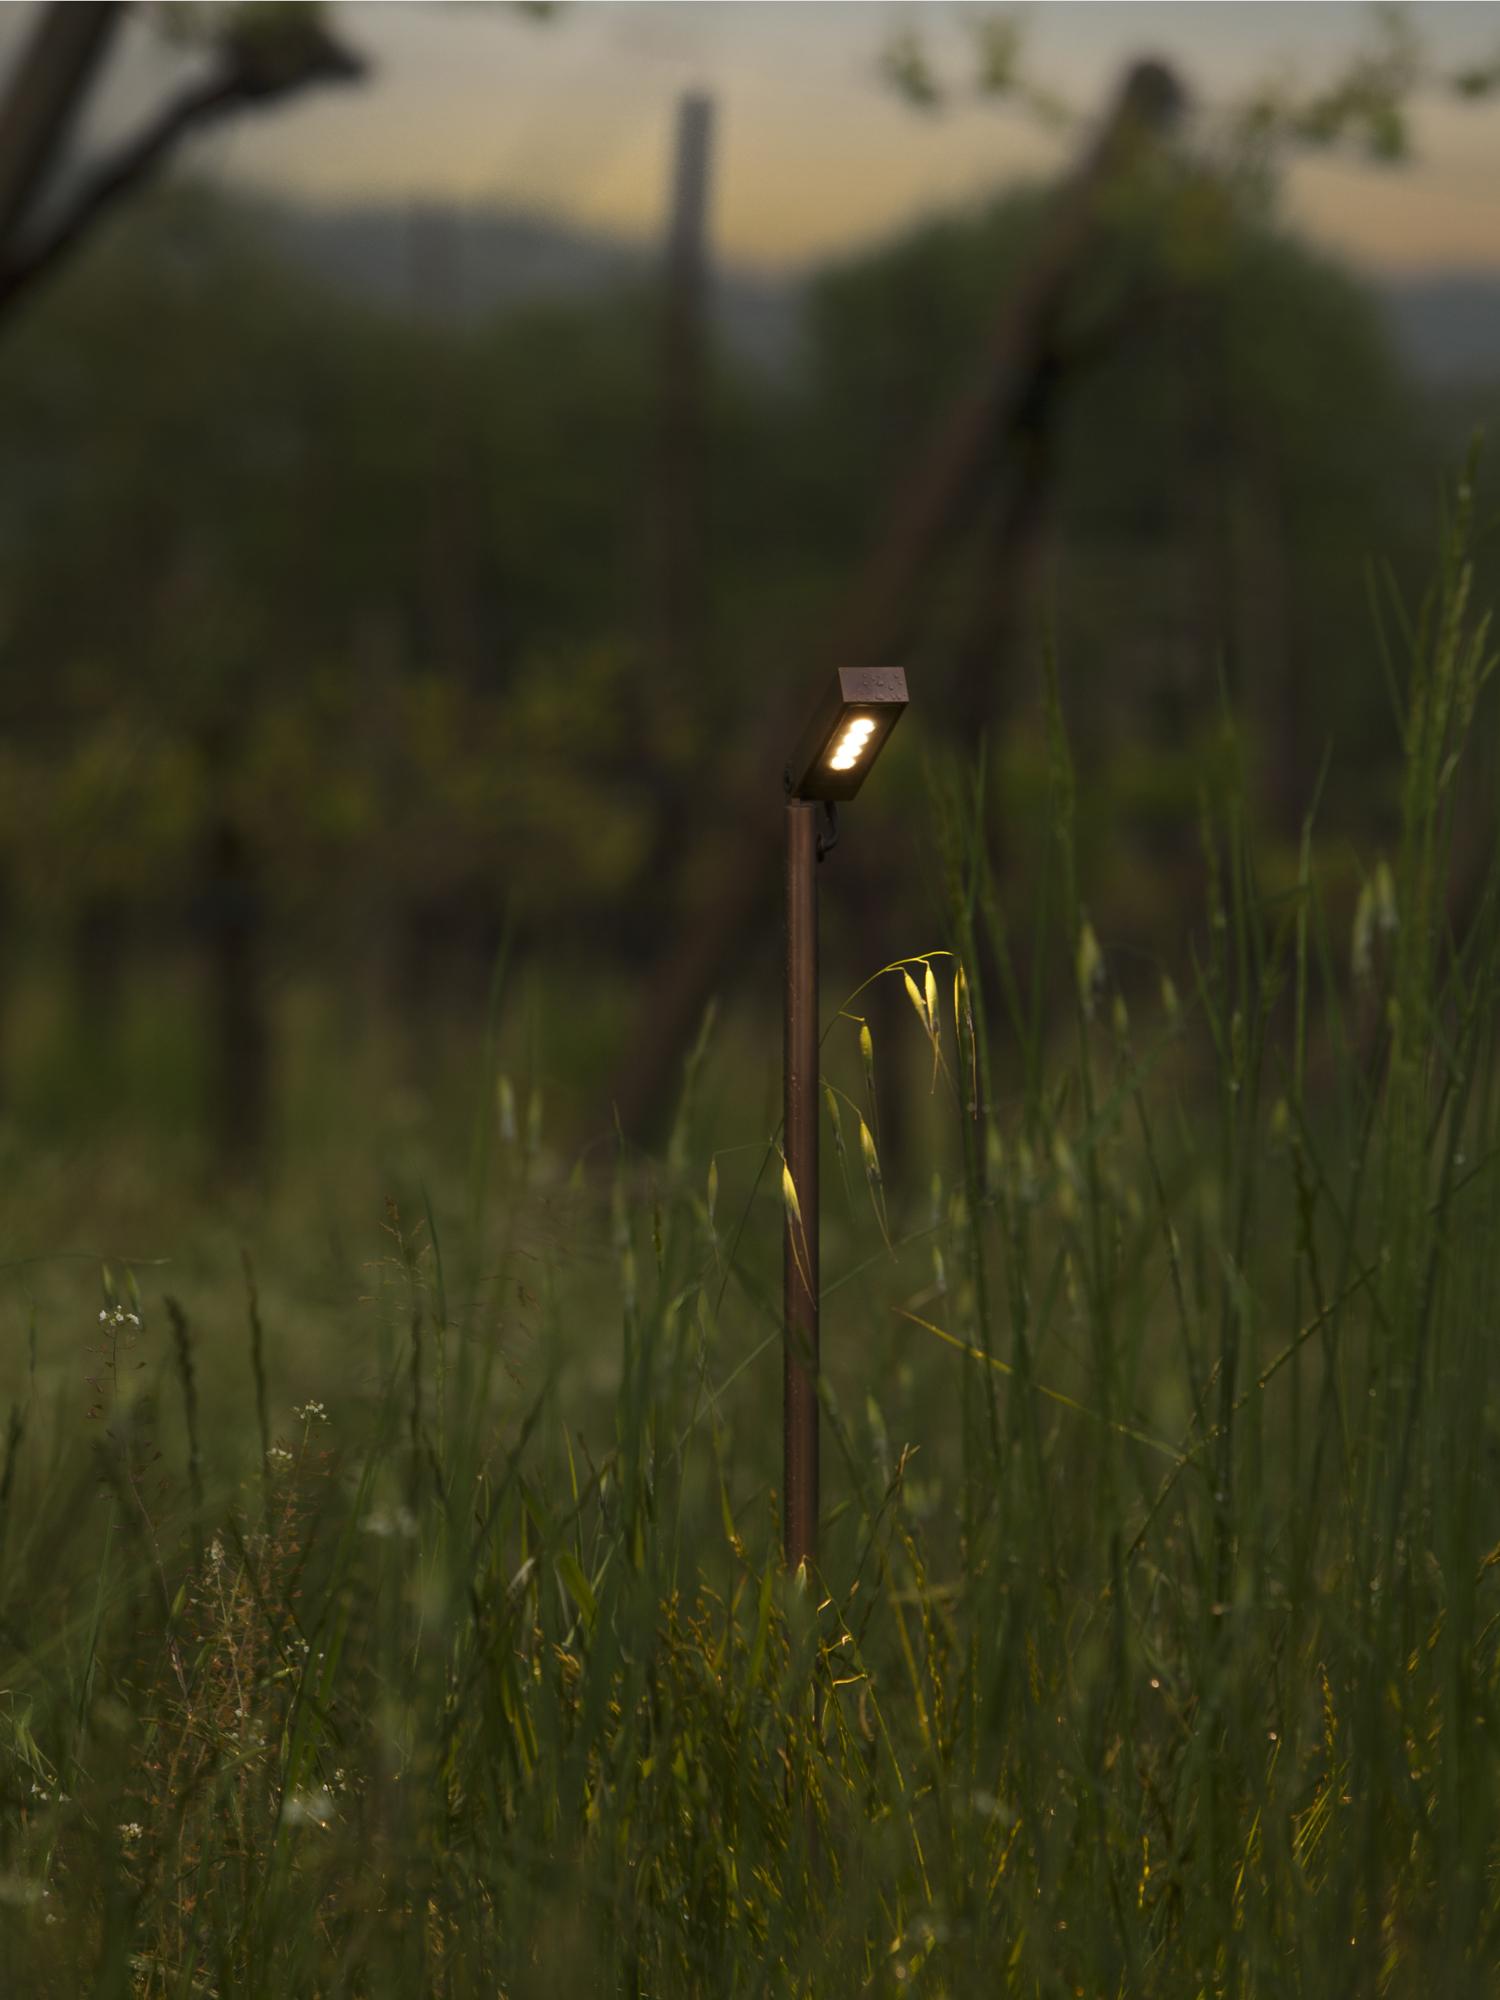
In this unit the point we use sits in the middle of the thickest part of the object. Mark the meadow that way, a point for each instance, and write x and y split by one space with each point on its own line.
405 1615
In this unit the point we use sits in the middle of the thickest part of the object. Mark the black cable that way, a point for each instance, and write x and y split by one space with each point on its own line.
828 837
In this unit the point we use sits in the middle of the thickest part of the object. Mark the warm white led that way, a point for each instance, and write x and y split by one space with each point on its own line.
852 744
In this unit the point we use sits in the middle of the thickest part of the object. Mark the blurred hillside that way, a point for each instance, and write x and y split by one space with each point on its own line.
463 264
1447 327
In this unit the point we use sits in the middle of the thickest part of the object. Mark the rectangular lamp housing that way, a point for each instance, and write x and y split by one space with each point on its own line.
859 709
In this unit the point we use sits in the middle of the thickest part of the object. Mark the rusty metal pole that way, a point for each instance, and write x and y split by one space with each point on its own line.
800 1133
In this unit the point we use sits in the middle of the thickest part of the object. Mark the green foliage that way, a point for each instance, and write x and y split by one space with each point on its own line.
267 46
1363 107
904 65
999 70
246 529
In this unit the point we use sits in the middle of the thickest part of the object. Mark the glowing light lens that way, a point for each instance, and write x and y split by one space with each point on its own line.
852 745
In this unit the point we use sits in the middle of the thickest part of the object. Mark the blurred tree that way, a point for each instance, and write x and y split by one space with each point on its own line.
233 456
258 52
1194 261
1365 107
1199 353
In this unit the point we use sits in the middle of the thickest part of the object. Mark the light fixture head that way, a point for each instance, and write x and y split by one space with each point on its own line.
859 709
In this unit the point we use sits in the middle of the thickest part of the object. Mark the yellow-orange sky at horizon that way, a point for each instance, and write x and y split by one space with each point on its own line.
572 117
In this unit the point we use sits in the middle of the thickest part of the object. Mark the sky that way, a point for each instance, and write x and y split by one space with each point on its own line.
573 116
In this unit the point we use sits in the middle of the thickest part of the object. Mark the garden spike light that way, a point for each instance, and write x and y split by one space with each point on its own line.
859 709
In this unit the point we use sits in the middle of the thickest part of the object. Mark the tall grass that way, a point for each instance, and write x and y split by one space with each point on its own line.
1154 1646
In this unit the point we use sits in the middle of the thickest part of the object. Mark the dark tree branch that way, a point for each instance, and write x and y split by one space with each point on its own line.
962 451
116 177
254 75
46 87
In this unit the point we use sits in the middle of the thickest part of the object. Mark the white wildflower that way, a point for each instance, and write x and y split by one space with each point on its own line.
518 1583
21 1890
1362 940
1387 918
386 1522
1089 967
310 1808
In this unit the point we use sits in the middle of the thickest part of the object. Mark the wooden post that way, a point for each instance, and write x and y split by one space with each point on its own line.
7 961
97 957
682 541
238 1037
